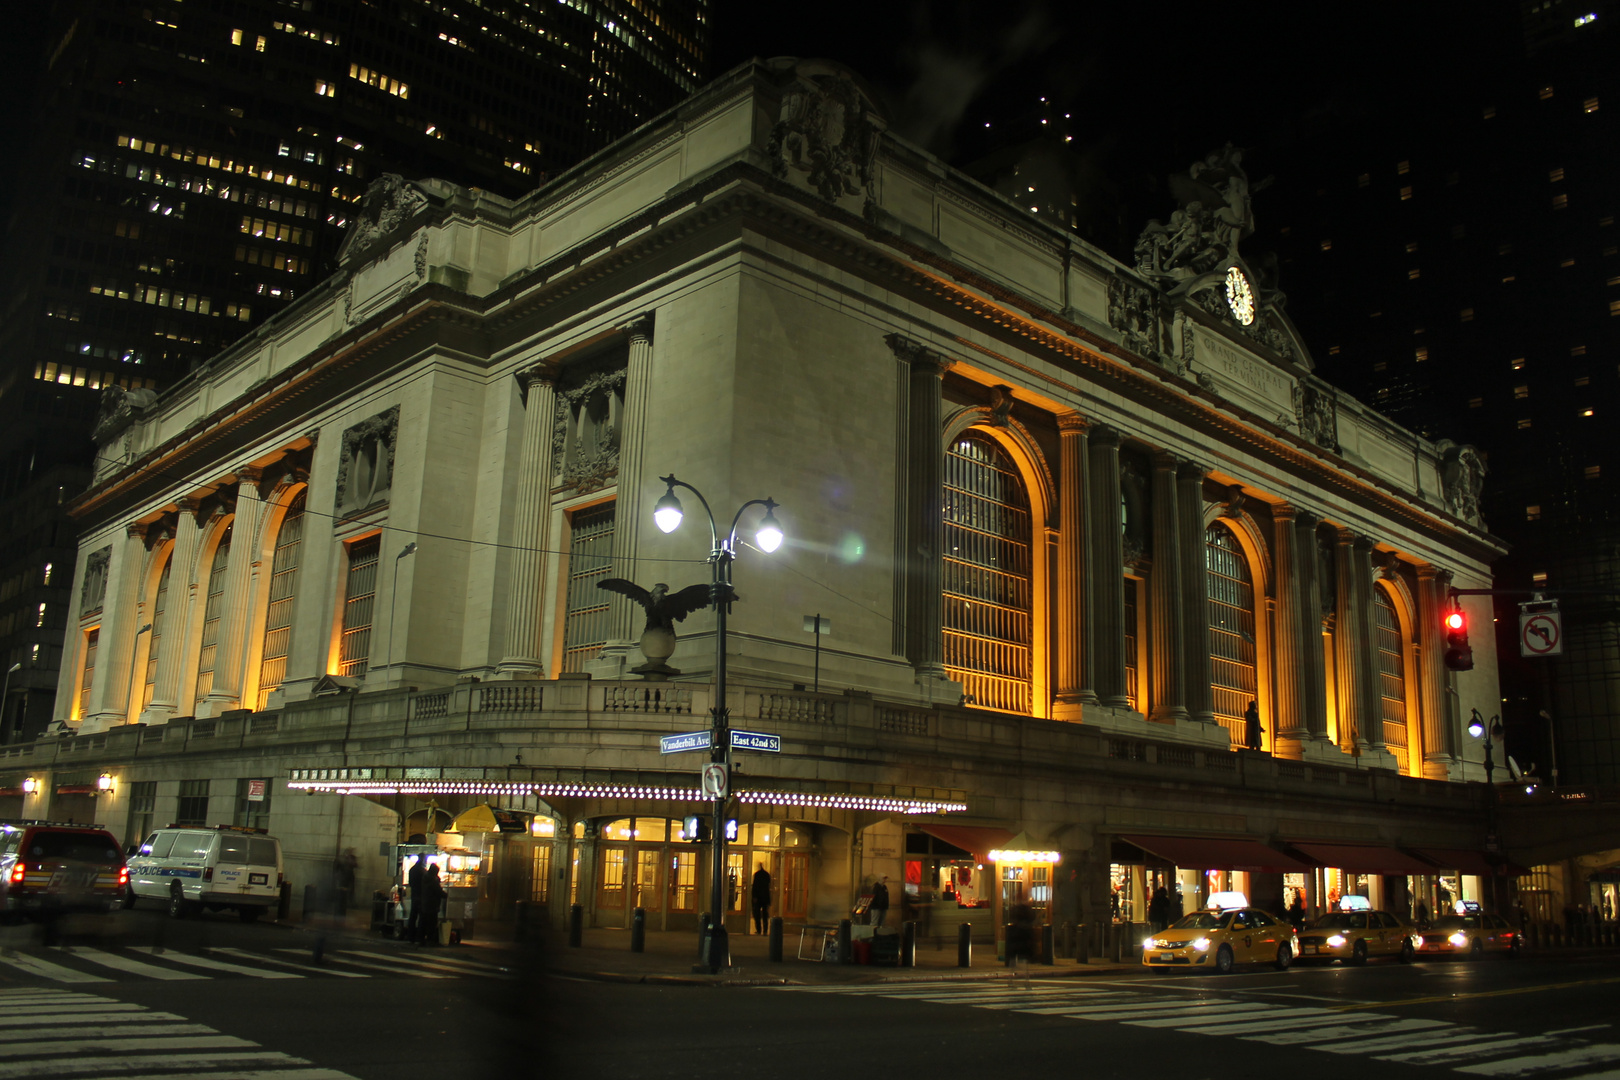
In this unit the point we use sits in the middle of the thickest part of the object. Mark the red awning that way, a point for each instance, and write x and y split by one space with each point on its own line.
1219 853
1364 859
1469 861
979 840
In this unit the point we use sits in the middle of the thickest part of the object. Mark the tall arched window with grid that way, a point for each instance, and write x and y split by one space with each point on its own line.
160 605
988 619
1234 681
283 587
1391 675
213 607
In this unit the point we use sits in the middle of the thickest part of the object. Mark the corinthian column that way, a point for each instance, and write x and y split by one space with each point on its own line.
1289 723
177 618
1439 752
1195 592
623 627
1108 569
926 602
120 619
1169 674
1369 702
531 530
1314 703
242 563
1347 632
1074 630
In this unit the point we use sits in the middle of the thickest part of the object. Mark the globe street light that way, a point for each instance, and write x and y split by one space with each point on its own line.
667 515
1477 728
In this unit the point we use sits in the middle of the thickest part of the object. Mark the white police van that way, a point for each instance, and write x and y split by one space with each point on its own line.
219 867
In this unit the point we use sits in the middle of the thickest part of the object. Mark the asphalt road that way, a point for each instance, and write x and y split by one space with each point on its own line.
144 1002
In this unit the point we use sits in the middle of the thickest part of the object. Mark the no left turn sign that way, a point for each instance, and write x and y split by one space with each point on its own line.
1541 634
715 781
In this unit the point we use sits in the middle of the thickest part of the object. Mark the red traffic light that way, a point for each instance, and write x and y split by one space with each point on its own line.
1459 655
1455 621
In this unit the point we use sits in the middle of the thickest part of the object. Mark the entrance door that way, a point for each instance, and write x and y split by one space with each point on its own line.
648 895
796 885
610 884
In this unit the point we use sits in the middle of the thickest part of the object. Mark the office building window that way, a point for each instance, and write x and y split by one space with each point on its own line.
193 809
212 609
1521 392
1532 512
1232 651
359 595
987 584
590 559
1593 472
283 586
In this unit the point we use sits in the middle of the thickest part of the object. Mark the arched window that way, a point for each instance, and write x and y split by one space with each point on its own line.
160 604
988 621
1391 674
1231 628
283 586
212 610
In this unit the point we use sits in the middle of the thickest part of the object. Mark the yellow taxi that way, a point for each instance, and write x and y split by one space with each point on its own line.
1472 935
1354 936
1226 934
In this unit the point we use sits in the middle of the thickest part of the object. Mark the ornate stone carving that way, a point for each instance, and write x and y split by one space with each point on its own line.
366 463
1316 412
118 409
1001 403
94 592
826 134
1134 312
389 204
1232 504
589 404
1462 477
421 256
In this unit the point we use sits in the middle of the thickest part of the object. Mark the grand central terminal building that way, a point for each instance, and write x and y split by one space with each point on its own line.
1053 524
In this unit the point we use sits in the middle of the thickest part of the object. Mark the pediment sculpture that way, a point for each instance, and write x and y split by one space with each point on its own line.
826 133
389 203
1462 478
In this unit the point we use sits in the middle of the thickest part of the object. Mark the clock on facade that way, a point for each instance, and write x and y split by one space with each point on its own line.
1239 296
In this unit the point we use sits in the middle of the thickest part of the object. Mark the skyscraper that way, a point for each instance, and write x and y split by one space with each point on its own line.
194 168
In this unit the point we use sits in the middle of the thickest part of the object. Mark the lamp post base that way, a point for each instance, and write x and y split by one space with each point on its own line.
717 950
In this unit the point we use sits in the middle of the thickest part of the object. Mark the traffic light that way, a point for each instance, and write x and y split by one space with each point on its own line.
1459 654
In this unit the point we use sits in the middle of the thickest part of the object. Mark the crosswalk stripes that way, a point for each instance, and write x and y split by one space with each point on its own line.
1374 1035
83 965
135 1044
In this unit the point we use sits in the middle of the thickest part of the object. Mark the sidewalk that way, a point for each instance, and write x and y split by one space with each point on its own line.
670 957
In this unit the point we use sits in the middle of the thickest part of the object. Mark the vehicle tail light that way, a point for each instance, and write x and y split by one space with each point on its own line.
123 876
208 873
19 874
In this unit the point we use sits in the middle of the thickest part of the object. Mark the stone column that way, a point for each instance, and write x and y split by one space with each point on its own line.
177 616
625 617
531 531
109 702
1289 722
1314 684
243 561
1195 592
1169 673
1108 570
925 520
1074 546
1349 647
1433 599
1370 702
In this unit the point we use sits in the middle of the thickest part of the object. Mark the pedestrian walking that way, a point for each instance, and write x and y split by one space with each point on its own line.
413 892
1158 908
1252 731
762 899
432 903
1021 936
878 909
1296 913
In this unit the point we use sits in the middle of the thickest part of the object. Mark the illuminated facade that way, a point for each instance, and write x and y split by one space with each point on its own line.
1065 522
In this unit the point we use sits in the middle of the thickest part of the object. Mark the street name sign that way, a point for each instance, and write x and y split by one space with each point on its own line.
686 740
762 741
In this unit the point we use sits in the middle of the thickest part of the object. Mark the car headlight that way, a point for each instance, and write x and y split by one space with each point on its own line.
1201 944
1458 939
1147 943
1336 940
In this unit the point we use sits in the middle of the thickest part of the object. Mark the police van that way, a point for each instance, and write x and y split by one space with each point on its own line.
223 866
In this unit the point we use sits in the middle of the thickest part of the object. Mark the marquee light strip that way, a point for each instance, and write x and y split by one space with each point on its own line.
1025 856
618 791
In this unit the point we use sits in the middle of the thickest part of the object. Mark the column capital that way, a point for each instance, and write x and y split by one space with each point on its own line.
248 474
1344 535
1103 435
1430 572
639 328
1363 542
922 359
1306 519
1165 460
1193 470
1283 513
1072 423
539 375
135 530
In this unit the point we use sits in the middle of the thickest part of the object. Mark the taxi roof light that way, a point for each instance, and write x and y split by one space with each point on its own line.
1221 901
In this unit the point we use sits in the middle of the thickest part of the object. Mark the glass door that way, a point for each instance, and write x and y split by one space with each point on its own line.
796 885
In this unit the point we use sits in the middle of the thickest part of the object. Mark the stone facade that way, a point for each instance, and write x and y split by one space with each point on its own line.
765 301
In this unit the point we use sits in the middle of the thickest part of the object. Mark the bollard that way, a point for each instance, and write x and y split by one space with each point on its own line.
576 926
1048 956
776 939
908 945
846 955
703 936
1082 944
638 931
284 902
309 902
964 946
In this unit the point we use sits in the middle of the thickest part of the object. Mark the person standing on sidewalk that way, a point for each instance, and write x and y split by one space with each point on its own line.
414 878
432 902
879 908
762 899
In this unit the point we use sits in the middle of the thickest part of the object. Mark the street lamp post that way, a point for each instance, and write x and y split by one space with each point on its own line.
722 553
1478 729
393 603
1487 734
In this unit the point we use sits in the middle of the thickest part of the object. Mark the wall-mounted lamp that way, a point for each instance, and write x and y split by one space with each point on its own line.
104 784
30 786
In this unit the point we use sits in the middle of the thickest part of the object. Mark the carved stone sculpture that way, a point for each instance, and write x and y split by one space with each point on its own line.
1462 477
664 609
118 409
390 201
94 593
1317 414
366 466
826 131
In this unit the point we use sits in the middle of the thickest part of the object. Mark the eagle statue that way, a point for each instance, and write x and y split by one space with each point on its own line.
664 608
